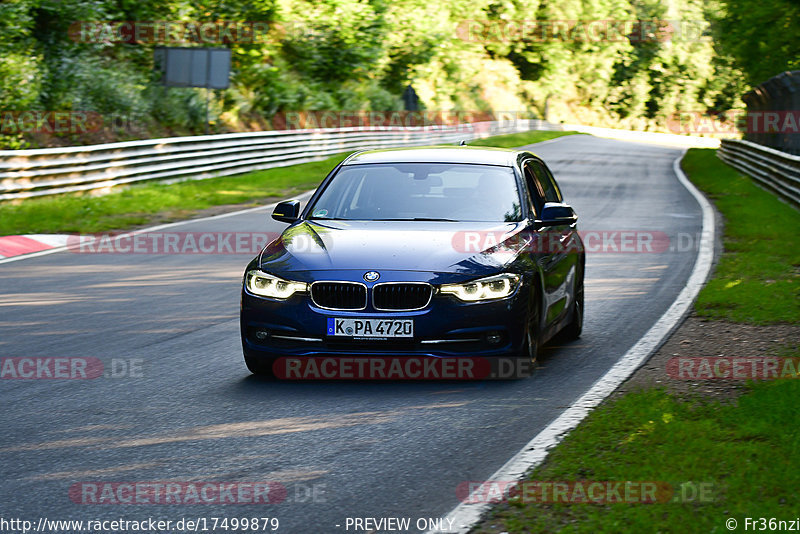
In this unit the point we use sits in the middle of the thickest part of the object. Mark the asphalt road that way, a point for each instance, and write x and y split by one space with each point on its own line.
190 411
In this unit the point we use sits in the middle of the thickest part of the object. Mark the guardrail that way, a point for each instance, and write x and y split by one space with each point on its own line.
777 171
48 171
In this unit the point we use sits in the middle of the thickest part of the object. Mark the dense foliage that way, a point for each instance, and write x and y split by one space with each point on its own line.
361 54
763 37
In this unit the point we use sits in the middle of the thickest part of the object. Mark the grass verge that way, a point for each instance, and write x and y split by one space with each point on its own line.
519 139
158 202
743 455
758 276
151 203
721 461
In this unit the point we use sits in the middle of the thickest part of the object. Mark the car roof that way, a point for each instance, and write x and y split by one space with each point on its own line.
437 154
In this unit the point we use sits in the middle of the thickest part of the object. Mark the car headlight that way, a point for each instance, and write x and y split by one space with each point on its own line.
494 287
267 285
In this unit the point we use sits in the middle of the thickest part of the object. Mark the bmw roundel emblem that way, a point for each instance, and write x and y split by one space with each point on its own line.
371 276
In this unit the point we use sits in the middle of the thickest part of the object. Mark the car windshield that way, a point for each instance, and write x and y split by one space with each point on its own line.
420 191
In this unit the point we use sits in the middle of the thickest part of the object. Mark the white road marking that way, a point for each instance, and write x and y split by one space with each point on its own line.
58 237
468 513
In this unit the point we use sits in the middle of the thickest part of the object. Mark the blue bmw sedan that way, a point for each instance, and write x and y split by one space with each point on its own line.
437 252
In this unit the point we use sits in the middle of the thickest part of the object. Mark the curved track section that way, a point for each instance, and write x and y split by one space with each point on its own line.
175 403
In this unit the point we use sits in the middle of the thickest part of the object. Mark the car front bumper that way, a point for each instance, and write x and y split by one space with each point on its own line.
446 328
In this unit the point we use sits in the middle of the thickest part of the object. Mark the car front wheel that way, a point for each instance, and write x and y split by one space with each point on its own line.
529 353
575 327
259 365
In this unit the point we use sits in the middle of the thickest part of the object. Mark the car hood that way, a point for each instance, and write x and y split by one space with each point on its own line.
451 247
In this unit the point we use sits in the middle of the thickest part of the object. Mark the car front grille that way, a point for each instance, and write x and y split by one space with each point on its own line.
401 296
339 295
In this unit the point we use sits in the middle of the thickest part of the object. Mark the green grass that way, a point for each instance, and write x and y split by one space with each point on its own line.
757 279
747 452
149 203
746 455
518 139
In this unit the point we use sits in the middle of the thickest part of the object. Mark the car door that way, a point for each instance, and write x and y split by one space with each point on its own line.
558 258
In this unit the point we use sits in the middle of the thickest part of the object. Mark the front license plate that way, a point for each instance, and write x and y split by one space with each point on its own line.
370 327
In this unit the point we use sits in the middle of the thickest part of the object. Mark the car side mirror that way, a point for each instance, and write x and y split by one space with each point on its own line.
287 211
557 214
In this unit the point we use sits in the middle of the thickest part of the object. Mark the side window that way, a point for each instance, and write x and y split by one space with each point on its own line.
536 185
535 192
554 185
550 192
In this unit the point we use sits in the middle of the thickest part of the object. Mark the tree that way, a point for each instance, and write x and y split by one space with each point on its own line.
762 37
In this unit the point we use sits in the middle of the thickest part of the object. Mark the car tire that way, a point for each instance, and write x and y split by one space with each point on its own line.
529 353
573 330
259 365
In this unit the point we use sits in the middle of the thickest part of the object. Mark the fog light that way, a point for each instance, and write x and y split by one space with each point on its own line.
261 335
494 337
